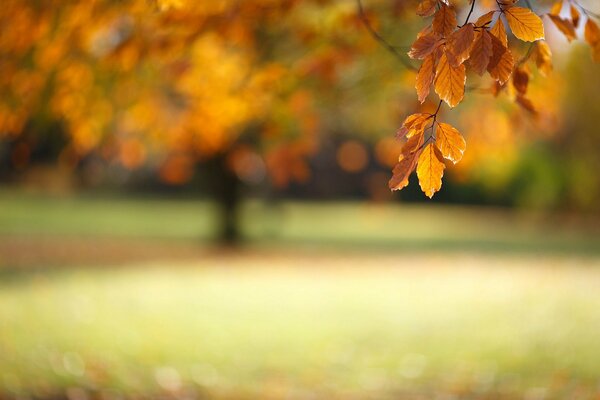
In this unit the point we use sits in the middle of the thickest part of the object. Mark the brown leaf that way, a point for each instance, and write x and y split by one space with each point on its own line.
481 52
426 8
502 61
444 21
450 81
425 77
459 44
430 170
407 162
450 142
526 103
524 24
424 46
575 16
520 79
565 26
543 57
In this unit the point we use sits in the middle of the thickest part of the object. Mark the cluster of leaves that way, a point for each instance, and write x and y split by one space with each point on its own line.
449 51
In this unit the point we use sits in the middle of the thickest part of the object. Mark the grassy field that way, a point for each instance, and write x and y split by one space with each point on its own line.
328 301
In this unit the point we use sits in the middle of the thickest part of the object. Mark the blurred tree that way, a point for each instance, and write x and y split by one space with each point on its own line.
249 86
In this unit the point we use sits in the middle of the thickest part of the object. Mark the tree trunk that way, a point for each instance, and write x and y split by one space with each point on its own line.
226 188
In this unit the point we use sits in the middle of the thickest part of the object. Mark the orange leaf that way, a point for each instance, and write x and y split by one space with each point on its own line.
524 23
485 19
499 30
425 78
450 142
502 61
565 26
444 21
407 162
459 44
450 81
481 52
430 170
592 36
413 124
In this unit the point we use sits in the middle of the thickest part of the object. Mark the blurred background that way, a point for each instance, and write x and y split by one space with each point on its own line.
194 204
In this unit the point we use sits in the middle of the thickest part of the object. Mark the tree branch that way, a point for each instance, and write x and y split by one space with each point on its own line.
363 17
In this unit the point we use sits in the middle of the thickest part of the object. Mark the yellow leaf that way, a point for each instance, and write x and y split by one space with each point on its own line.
430 170
565 26
525 24
481 52
450 81
444 21
501 63
450 142
458 44
407 162
556 7
425 77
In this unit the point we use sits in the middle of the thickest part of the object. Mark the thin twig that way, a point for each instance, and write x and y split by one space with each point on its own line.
470 12
363 17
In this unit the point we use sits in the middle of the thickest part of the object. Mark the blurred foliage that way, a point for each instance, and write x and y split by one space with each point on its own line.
165 85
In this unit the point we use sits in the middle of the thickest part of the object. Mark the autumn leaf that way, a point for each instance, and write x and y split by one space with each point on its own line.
425 77
444 21
481 52
450 142
526 103
485 19
413 124
450 81
430 170
524 24
520 79
458 45
565 26
407 162
543 57
501 63
575 16
499 30
592 36
424 46
426 8
556 7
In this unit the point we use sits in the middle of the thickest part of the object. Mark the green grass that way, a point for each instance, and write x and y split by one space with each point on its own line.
280 327
328 301
350 225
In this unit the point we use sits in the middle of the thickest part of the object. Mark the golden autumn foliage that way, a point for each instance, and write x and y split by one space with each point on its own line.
451 51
